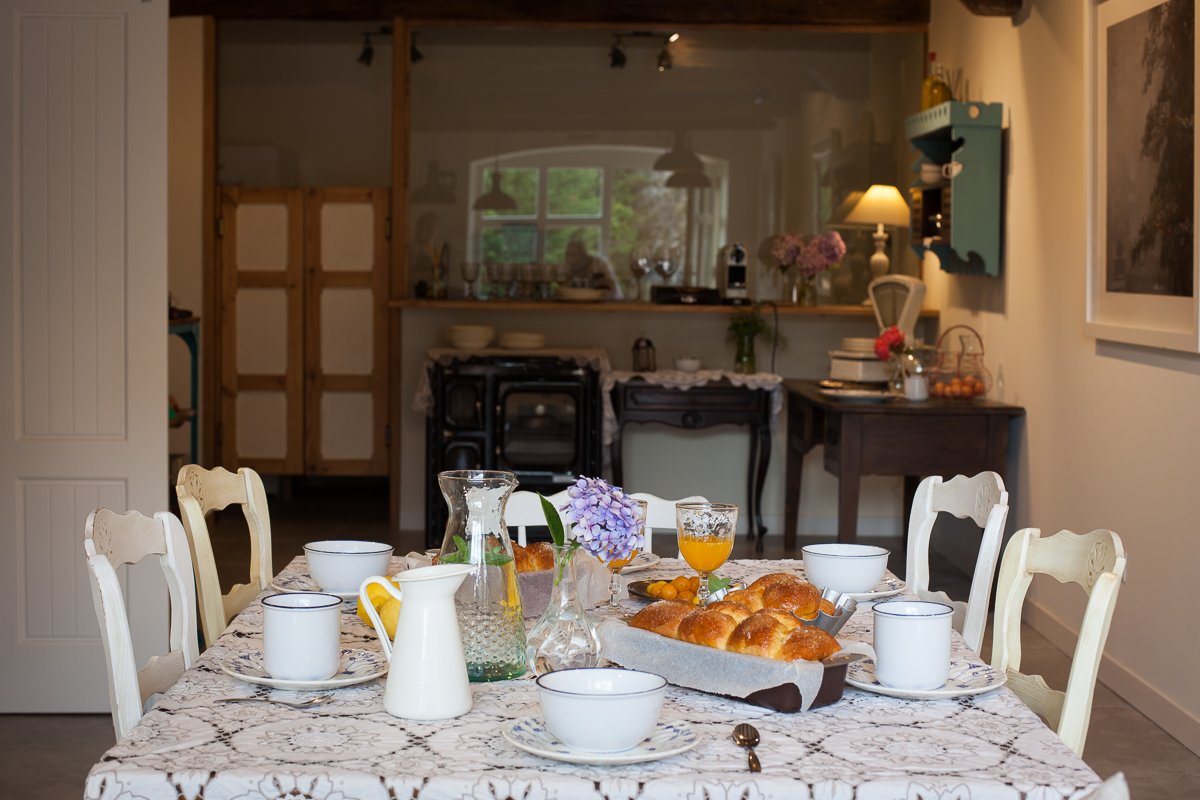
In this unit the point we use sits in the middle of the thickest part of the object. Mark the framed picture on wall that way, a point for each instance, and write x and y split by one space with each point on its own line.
1142 173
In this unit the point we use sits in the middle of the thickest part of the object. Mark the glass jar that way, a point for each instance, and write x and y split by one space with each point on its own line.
488 603
564 637
959 372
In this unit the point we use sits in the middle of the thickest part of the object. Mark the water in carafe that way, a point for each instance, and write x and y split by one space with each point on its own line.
488 602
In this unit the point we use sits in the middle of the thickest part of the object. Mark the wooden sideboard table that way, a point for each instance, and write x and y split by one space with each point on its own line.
934 437
716 403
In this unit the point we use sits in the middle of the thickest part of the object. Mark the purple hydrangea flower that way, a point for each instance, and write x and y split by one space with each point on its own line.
605 519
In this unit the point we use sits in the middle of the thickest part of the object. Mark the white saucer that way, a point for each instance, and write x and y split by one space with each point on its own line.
966 678
668 739
640 562
358 666
890 586
303 583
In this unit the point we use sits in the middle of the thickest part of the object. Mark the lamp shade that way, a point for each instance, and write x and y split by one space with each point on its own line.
495 199
688 179
880 205
679 158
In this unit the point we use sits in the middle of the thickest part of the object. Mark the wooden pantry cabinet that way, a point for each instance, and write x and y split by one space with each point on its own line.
303 330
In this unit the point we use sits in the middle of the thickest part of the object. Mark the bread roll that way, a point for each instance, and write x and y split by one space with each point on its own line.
535 557
810 644
800 598
774 579
662 617
826 606
728 607
760 634
750 599
707 627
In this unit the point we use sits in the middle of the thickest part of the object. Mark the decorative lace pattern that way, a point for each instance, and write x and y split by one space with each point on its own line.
865 747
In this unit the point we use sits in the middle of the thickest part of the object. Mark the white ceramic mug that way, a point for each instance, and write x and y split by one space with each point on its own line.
951 169
916 388
302 634
912 644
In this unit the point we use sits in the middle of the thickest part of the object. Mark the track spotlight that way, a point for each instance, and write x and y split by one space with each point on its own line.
616 55
674 37
414 55
664 57
368 51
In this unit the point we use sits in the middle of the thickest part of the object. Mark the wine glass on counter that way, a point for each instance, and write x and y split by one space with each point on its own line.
470 274
705 537
639 268
616 565
666 263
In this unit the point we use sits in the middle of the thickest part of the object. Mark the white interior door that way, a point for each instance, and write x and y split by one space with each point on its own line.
83 329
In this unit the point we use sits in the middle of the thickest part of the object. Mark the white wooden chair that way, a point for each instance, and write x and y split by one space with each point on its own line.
200 491
524 510
660 513
109 541
1095 561
982 499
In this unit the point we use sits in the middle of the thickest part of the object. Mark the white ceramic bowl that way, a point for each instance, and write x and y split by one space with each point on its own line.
687 364
601 710
471 337
851 568
341 566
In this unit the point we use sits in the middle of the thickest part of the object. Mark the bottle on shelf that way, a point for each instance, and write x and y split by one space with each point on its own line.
935 89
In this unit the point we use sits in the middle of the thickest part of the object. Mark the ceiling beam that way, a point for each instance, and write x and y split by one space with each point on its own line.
839 14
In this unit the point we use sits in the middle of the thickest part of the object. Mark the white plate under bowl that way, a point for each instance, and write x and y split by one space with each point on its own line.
966 678
640 562
358 666
668 739
303 583
889 586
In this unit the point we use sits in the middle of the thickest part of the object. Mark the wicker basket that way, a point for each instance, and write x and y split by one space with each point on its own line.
958 372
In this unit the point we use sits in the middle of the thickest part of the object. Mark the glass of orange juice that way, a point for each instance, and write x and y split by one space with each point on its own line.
616 565
705 537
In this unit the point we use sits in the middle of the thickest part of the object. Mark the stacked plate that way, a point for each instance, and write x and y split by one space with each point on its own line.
522 340
855 360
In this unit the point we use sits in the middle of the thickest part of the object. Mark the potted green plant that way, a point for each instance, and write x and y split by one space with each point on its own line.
745 325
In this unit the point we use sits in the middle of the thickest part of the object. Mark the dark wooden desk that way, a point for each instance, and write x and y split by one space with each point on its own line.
718 403
934 437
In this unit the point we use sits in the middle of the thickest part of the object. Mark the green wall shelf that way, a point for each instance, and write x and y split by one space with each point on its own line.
958 217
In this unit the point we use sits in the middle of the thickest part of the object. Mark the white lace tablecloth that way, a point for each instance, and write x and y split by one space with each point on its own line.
865 747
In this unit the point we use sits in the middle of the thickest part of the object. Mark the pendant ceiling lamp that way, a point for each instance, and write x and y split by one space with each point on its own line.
679 158
688 179
495 198
433 190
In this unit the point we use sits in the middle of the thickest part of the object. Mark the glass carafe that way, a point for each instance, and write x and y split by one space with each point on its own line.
488 602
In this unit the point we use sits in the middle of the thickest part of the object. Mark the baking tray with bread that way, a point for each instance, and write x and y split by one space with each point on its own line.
764 644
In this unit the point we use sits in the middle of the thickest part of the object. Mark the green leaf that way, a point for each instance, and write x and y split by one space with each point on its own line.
553 521
716 583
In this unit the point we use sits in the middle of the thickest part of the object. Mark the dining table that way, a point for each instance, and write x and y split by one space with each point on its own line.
866 746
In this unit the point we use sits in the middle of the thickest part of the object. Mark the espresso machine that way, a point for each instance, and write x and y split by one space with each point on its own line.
732 275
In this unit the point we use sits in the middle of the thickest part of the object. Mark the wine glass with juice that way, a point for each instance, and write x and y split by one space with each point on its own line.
705 537
616 565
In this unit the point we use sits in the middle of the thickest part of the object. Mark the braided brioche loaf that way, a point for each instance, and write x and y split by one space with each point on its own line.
760 620
534 557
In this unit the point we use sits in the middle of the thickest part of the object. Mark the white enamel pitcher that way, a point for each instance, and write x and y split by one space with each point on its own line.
428 675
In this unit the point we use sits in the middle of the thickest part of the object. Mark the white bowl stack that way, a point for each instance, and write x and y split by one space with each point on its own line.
855 360
471 337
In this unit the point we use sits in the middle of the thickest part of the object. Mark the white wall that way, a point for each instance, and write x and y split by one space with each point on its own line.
1109 441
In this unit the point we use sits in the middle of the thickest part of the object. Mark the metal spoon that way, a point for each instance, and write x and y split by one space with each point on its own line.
309 703
746 735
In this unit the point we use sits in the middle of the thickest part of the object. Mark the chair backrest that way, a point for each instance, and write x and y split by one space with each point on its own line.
109 541
524 509
200 491
983 500
897 300
1095 561
660 513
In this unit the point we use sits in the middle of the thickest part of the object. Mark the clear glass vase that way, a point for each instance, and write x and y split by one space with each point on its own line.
565 636
744 361
489 601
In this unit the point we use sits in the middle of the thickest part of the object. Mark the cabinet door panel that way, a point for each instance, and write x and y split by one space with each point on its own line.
262 333
345 331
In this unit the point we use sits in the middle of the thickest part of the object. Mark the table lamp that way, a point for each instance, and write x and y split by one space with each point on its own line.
880 205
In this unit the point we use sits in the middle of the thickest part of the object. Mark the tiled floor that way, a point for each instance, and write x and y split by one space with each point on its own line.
48 756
